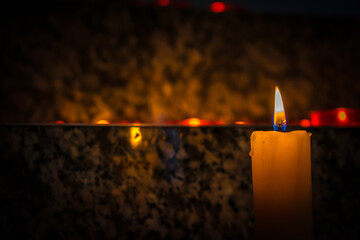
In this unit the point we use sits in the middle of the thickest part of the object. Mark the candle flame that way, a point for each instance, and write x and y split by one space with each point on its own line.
279 112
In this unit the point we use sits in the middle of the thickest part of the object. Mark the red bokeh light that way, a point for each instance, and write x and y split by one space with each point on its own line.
315 119
59 121
163 3
305 123
342 116
218 7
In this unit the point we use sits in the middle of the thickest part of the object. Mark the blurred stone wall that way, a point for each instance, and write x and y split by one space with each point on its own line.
102 61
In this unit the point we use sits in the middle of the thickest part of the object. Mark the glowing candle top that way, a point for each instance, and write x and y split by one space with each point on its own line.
279 112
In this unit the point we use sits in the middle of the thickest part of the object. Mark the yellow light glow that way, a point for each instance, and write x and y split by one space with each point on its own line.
194 122
102 122
135 136
240 122
342 116
279 111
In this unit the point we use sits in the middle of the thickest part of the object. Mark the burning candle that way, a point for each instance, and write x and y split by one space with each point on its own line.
281 168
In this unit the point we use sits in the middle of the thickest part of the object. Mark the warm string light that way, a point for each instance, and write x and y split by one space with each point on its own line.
341 117
190 122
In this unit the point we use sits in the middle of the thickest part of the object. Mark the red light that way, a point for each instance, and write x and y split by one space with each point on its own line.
305 123
59 121
315 119
163 3
217 7
342 116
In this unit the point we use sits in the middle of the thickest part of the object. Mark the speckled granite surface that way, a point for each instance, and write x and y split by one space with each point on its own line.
93 182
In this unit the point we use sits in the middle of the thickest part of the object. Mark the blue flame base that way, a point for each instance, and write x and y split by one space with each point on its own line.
280 128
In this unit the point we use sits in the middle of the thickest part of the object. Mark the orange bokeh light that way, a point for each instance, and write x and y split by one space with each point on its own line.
163 3
342 116
217 7
240 122
194 122
102 122
305 123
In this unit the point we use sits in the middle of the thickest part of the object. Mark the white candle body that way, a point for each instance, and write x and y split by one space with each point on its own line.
281 168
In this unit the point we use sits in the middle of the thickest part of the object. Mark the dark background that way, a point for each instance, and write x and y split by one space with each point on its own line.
81 61
314 7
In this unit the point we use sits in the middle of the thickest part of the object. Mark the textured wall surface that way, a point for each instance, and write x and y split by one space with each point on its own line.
91 182
82 63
